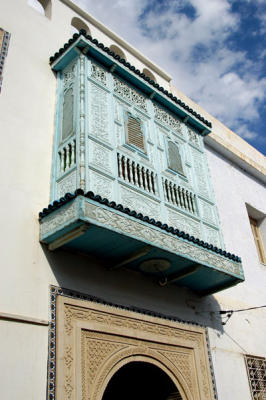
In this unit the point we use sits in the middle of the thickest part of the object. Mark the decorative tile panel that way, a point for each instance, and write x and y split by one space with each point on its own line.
98 115
99 74
129 94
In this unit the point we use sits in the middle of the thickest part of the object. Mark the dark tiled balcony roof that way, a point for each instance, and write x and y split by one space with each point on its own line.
119 207
133 69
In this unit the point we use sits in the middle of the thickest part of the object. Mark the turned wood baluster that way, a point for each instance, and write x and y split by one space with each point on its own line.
136 174
125 169
192 197
148 176
69 149
180 197
175 195
73 153
171 193
119 164
61 155
184 198
144 178
153 183
140 176
188 200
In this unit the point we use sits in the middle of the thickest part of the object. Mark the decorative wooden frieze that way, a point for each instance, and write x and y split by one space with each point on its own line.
168 119
99 74
129 94
194 138
69 74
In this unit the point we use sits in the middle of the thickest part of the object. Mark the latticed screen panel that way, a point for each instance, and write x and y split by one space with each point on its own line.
67 128
256 368
134 130
174 158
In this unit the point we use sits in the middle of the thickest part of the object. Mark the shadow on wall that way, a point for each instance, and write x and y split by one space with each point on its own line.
91 276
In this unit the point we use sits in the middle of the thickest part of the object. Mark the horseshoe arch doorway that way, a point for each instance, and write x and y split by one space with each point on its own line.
139 380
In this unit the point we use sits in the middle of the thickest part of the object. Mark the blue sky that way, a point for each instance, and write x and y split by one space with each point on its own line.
215 50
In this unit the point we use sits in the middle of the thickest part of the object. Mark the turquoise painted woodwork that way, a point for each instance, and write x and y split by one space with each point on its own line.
92 152
84 225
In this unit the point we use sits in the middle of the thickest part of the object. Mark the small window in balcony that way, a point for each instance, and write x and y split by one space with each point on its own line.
174 157
67 123
134 132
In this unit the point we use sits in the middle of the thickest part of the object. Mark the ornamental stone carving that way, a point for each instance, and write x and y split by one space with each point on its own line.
94 341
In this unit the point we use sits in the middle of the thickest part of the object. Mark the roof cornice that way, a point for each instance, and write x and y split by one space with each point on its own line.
85 43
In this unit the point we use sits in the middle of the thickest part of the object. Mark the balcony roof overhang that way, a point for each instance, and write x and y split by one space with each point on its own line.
82 43
127 239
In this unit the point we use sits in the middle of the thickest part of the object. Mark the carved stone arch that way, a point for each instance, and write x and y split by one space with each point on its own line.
142 354
118 51
149 74
42 6
78 24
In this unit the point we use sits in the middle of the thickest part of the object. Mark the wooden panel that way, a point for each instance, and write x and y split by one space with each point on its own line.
67 128
174 158
134 132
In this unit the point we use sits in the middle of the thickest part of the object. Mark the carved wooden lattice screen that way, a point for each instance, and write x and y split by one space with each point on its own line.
67 128
174 158
256 369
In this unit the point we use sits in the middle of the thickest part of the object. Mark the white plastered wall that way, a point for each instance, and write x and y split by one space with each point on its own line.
27 108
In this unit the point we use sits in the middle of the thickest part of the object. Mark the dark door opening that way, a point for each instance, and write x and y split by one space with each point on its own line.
141 381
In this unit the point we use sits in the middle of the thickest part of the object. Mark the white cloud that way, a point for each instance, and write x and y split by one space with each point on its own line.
194 50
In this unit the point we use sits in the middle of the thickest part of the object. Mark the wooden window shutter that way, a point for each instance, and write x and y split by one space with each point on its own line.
257 239
134 129
174 158
67 126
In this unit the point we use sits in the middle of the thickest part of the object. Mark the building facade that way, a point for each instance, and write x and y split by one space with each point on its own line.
133 224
